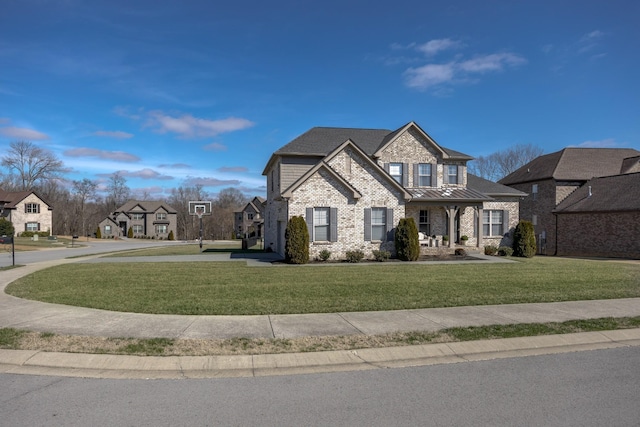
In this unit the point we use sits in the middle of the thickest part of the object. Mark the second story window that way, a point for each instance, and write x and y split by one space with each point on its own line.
161 216
395 170
137 216
424 175
452 174
249 216
32 207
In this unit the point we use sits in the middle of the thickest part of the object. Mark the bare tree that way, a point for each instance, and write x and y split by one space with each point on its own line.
187 227
229 201
32 164
84 191
497 165
117 192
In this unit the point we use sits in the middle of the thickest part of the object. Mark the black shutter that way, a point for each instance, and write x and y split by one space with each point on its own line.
309 219
434 174
386 167
367 224
445 174
405 174
460 180
416 175
390 229
333 224
505 222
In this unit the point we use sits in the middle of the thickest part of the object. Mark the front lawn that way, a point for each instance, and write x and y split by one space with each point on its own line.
230 288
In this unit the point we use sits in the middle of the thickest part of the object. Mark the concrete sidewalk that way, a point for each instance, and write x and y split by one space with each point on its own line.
37 316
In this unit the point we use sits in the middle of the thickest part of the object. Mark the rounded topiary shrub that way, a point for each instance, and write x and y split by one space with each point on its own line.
296 249
171 236
130 233
524 240
406 240
98 233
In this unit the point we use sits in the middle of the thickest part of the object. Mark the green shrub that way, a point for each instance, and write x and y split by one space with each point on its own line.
524 240
490 250
6 227
296 236
406 240
460 252
324 255
505 251
171 236
98 233
354 256
381 255
464 238
130 233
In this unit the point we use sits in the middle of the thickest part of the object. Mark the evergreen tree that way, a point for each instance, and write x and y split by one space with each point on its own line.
406 240
297 241
6 227
524 240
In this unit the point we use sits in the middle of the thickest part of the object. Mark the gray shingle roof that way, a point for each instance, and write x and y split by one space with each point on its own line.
448 194
491 188
320 141
146 205
608 194
572 164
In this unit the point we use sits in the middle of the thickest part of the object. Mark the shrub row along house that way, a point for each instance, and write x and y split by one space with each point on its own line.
583 201
352 186
146 219
27 211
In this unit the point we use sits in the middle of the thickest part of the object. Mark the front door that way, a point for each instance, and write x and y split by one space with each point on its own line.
123 228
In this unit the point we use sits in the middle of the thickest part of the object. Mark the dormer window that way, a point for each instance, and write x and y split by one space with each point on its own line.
452 174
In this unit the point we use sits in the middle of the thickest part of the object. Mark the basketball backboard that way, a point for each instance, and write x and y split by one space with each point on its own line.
200 208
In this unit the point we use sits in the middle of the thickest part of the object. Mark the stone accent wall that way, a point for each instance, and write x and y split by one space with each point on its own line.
19 217
512 206
605 234
410 147
323 190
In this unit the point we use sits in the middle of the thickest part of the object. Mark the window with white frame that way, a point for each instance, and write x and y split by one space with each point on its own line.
137 216
424 175
424 226
452 174
534 191
161 229
32 207
31 226
137 229
492 223
107 230
378 224
161 216
321 223
395 170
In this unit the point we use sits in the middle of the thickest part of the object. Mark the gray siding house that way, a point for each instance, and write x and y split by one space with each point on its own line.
352 186
151 219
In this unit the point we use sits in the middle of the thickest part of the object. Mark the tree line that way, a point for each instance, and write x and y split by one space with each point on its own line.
79 205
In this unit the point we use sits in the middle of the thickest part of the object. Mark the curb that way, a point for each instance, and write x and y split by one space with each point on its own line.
185 367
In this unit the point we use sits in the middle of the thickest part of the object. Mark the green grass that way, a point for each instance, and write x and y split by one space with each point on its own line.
185 249
10 338
216 288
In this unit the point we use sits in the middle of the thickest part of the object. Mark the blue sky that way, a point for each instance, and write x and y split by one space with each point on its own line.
173 93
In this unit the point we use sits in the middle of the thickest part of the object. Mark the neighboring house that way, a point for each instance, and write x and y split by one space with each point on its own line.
146 219
352 186
27 211
249 222
556 182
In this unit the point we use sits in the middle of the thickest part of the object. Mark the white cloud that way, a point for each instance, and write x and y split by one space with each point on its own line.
119 156
493 62
433 47
113 134
431 75
22 133
188 126
215 146
226 169
603 143
145 173
210 181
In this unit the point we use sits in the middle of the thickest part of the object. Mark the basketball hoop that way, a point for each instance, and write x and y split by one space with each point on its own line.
200 208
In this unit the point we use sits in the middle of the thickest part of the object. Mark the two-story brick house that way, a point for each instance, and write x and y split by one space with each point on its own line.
146 219
353 185
249 222
570 220
27 211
